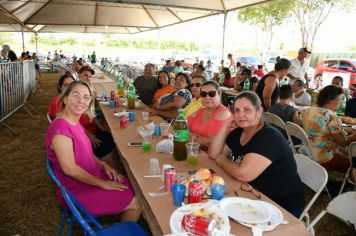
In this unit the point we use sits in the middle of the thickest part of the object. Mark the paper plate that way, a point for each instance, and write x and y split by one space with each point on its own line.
271 224
245 210
105 103
175 221
118 114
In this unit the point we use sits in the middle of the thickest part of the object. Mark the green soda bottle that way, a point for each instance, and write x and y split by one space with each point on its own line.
341 110
247 85
181 137
120 85
314 97
222 78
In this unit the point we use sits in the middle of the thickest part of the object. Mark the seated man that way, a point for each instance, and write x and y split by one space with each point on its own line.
146 85
350 109
300 97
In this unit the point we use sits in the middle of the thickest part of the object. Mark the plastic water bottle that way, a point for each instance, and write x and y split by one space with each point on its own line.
246 85
181 137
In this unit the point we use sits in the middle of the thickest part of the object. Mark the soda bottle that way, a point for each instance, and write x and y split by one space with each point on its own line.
120 85
181 137
341 110
222 78
314 97
247 85
131 96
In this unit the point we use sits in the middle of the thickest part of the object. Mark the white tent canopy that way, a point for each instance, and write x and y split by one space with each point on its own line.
126 16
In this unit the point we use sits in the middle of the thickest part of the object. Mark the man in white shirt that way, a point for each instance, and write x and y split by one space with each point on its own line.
300 97
299 67
209 69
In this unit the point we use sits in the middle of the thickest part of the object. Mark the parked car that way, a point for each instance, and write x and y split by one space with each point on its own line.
249 61
337 65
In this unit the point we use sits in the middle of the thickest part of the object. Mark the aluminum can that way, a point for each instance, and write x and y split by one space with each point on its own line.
123 121
197 225
112 95
116 102
170 178
195 191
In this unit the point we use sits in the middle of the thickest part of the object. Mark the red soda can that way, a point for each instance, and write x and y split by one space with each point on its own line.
116 102
197 225
123 121
170 178
112 95
195 191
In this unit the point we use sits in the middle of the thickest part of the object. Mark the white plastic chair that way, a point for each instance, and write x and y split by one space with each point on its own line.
294 130
352 153
49 119
312 175
273 119
343 206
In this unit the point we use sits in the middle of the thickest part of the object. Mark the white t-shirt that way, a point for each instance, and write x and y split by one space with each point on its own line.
298 70
303 100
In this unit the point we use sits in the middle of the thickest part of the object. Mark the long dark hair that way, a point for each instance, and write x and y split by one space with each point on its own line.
61 81
169 78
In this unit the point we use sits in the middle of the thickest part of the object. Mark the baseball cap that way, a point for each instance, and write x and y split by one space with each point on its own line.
302 50
86 68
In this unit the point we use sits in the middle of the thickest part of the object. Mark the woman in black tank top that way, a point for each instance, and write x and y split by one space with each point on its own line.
267 88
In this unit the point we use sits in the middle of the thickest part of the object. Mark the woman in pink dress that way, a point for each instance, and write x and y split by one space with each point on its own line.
205 123
97 186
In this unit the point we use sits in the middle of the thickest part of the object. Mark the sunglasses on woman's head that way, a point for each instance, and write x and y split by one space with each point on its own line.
210 93
196 85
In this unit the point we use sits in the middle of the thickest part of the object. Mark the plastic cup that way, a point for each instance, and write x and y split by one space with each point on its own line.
154 166
217 191
147 140
192 153
164 129
178 192
112 103
132 115
157 130
145 115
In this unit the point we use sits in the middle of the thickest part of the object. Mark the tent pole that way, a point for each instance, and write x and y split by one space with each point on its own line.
23 39
36 37
223 41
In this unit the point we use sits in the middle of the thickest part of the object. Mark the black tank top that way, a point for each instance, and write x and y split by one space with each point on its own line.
261 87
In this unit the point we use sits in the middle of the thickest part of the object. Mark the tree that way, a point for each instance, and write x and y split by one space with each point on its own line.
266 16
311 14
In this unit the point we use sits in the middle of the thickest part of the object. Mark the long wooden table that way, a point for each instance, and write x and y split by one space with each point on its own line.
158 210
102 83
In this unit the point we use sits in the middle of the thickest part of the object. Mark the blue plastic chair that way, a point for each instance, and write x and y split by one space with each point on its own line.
66 216
127 228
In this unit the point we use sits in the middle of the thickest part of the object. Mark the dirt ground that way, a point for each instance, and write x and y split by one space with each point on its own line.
28 204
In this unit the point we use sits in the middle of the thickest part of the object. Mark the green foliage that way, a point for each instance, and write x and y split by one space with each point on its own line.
6 38
267 15
51 40
89 43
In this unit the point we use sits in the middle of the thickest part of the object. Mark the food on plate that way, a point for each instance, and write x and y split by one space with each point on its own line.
207 179
203 174
202 221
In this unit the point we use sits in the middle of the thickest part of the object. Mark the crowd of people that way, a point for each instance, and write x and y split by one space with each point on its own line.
234 137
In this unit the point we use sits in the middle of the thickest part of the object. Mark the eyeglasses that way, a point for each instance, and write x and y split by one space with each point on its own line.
78 97
210 93
196 85
248 188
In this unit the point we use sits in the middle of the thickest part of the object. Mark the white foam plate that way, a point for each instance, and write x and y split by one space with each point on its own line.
271 224
118 114
105 103
245 210
175 221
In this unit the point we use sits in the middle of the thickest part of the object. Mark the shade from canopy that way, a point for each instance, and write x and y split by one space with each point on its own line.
126 16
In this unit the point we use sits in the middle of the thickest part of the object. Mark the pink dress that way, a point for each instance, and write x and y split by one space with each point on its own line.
96 200
209 128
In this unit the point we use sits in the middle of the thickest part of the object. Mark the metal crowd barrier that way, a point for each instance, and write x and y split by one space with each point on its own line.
17 82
